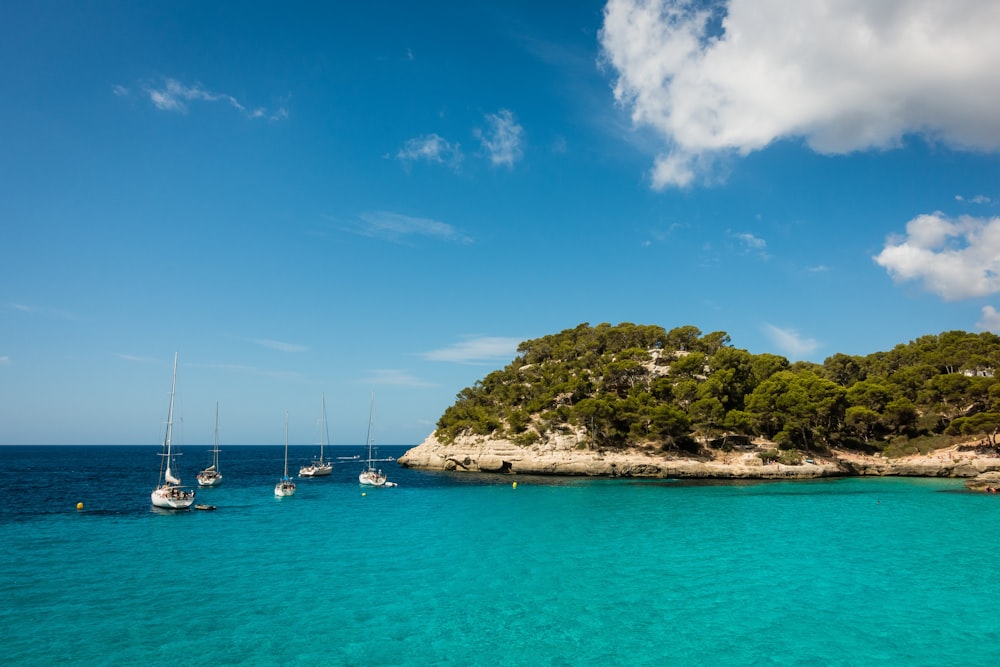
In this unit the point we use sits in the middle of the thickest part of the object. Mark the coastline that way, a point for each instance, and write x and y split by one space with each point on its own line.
563 456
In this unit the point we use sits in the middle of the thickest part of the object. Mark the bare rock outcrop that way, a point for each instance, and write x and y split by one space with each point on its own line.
564 455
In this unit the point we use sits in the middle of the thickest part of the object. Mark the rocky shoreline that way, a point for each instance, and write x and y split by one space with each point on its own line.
563 456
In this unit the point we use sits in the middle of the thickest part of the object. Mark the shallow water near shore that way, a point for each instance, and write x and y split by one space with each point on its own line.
452 569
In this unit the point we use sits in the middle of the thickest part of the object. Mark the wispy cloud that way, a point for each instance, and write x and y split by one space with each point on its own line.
976 199
43 312
431 148
253 370
277 345
953 258
4 360
717 80
396 227
132 358
397 378
790 342
990 321
173 95
750 244
476 350
502 139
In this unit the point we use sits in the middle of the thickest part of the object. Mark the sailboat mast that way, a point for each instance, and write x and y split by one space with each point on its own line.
325 435
286 444
371 418
215 451
168 436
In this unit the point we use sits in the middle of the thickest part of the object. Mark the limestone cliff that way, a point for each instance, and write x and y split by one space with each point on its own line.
563 455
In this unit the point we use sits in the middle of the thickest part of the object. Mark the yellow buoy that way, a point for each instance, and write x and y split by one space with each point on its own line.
514 485
364 494
79 506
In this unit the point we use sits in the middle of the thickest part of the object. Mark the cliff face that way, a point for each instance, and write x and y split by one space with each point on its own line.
562 455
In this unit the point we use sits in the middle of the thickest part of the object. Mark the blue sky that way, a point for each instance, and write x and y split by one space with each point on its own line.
389 196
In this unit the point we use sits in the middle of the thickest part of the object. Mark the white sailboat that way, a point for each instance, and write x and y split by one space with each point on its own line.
319 468
169 494
211 476
371 476
285 486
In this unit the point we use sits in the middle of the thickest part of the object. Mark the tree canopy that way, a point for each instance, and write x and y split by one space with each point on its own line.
629 385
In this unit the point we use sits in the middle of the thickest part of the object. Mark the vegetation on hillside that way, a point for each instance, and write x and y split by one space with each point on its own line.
632 385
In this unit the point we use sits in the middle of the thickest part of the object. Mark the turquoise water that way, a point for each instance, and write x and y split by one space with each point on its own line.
461 570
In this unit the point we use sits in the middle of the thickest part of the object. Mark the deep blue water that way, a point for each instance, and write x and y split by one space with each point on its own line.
467 570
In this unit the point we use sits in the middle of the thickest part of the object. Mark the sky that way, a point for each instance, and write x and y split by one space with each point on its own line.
385 198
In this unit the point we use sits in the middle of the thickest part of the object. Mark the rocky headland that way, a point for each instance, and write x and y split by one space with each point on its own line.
565 456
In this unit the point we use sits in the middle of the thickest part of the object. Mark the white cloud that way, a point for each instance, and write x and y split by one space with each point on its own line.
977 199
484 349
4 360
990 321
716 79
278 345
395 226
175 96
953 258
396 378
432 148
502 139
750 243
790 342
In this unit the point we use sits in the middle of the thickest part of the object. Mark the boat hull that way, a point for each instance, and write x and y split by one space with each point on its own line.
284 489
172 498
316 470
209 479
371 478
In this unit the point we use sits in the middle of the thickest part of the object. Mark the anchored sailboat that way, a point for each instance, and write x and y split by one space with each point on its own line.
285 486
371 476
211 476
319 468
169 494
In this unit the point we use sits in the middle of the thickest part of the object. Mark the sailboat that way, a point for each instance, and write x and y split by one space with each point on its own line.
169 494
371 476
319 468
211 476
285 486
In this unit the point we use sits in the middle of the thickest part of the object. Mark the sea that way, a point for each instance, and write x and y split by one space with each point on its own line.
472 569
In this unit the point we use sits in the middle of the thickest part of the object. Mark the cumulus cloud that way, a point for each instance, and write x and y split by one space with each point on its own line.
790 342
502 139
953 258
480 350
990 321
716 78
396 226
431 148
173 95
